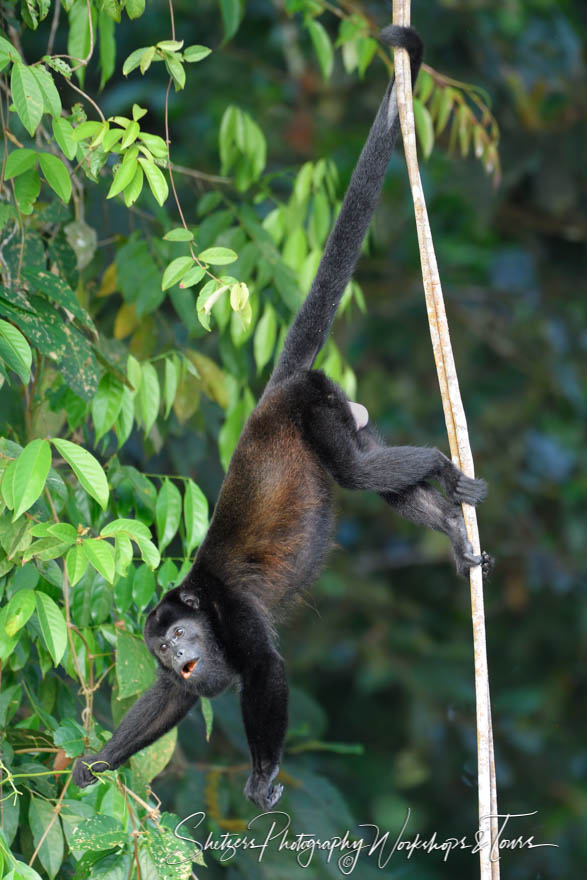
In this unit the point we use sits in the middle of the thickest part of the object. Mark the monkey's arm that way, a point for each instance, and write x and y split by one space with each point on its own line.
248 642
264 697
153 714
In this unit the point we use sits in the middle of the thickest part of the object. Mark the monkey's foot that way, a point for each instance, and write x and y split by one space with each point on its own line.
469 491
487 563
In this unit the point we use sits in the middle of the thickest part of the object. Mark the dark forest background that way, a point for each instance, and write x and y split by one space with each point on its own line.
379 655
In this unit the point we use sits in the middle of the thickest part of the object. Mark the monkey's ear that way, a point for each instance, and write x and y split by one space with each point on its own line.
188 598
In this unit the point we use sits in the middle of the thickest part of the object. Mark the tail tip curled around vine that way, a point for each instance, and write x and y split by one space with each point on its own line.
404 38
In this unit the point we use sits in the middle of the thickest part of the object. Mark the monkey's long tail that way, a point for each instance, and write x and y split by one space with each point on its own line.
312 324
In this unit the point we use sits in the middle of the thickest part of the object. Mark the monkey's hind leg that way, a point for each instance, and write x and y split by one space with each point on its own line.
425 506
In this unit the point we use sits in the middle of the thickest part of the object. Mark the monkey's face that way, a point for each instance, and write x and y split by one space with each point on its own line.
186 645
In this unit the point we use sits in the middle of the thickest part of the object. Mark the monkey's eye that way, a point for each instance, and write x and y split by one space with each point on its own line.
179 632
163 648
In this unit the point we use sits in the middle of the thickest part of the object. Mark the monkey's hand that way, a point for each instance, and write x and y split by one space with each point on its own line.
87 766
260 790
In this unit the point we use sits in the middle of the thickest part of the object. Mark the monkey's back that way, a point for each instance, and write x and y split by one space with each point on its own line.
272 524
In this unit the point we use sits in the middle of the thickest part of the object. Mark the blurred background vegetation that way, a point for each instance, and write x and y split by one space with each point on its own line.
380 654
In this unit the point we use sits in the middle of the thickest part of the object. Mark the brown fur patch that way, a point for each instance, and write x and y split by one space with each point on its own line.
273 499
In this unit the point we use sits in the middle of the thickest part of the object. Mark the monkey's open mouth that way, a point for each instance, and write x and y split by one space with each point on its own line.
188 668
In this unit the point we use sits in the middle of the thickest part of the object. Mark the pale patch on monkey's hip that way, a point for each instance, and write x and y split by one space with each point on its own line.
360 414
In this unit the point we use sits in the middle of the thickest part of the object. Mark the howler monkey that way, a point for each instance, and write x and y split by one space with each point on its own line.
272 523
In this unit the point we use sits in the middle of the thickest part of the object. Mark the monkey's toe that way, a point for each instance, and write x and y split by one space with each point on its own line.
487 563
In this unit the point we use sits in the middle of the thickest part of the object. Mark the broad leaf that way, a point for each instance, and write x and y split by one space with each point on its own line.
30 473
52 626
27 96
86 468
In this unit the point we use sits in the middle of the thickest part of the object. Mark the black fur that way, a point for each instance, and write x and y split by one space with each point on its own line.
272 524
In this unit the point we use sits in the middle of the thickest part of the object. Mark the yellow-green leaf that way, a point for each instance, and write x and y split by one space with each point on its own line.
56 175
218 256
52 626
155 179
30 473
86 468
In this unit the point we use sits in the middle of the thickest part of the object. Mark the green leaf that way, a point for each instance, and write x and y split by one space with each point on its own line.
143 586
149 396
27 187
86 130
63 531
265 337
15 351
107 47
445 109
218 256
171 382
19 609
70 737
63 133
195 515
424 127
208 713
170 45
51 99
30 473
60 341
178 234
175 271
231 17
167 513
322 47
149 762
98 832
123 554
130 135
138 112
175 69
149 552
425 86
134 188
27 96
147 59
52 625
43 828
134 59
7 643
155 179
100 554
463 121
8 53
76 563
59 292
134 8
367 48
56 175
135 667
303 184
79 38
7 484
124 175
106 404
192 54
111 138
194 276
86 468
18 162
155 144
134 528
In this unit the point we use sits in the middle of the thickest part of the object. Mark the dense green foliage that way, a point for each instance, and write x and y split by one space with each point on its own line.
154 244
